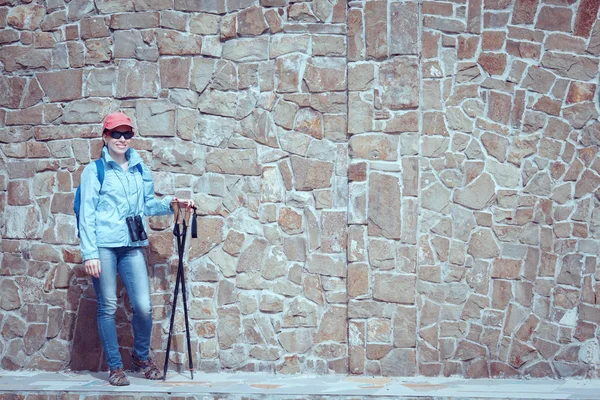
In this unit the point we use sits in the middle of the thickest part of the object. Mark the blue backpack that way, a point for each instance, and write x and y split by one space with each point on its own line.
100 169
77 202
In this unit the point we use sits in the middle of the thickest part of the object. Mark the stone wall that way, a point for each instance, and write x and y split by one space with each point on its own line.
384 187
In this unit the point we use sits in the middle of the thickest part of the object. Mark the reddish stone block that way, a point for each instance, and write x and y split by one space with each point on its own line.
376 29
496 4
500 370
474 16
430 44
8 36
72 32
3 15
526 330
467 46
98 51
62 85
507 268
174 72
477 369
495 20
549 106
33 94
11 91
356 43
94 28
251 21
520 33
554 19
274 20
27 116
434 124
524 12
580 92
540 370
565 42
444 24
499 107
521 353
26 38
20 58
538 80
38 150
44 40
26 16
357 172
19 193
492 40
76 54
398 77
436 8
586 15
493 63
523 49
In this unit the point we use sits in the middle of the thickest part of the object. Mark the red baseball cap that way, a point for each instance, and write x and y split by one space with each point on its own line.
115 119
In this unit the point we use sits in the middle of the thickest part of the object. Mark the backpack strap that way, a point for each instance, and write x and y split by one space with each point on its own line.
100 170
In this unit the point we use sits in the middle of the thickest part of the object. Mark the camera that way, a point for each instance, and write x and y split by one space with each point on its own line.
135 225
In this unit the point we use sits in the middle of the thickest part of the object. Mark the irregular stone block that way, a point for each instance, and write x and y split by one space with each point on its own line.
524 12
232 161
137 79
398 78
26 16
333 326
483 245
478 194
571 66
229 317
18 58
554 19
251 21
139 20
325 75
251 49
171 42
399 362
311 174
403 28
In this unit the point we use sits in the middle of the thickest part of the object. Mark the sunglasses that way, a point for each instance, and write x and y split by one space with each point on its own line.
118 135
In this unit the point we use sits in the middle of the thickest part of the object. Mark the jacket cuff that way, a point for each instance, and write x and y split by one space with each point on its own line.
167 201
90 255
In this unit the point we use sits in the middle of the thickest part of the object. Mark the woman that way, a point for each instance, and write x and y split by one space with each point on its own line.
112 232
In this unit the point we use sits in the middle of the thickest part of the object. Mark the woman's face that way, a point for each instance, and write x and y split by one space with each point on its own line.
118 147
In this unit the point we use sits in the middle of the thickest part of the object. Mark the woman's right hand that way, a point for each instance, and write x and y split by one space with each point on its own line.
92 267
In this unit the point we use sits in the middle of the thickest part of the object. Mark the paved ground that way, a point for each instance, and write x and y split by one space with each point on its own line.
265 386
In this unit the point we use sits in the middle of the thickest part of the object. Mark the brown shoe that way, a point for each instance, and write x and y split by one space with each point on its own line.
117 377
148 367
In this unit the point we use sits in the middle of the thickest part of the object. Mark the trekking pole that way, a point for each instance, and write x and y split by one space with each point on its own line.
176 233
181 238
183 292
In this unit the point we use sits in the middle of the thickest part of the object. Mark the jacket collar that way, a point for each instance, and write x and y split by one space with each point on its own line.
133 157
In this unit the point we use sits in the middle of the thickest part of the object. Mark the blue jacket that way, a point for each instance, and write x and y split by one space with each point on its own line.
103 210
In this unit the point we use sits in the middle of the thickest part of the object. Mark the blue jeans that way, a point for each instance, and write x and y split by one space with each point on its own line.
130 263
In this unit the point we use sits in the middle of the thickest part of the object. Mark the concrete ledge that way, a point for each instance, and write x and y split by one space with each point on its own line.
30 385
